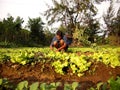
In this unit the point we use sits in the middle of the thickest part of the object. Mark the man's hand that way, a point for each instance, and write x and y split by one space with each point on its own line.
51 48
57 50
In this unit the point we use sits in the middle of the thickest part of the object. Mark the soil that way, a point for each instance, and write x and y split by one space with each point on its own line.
15 73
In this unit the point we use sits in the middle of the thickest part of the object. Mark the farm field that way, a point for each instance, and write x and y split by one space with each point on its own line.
87 66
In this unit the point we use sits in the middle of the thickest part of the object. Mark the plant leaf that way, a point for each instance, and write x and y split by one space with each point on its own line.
99 85
1 80
67 86
34 86
43 86
74 85
22 85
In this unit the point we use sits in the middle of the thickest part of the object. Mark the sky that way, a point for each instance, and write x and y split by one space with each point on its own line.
34 8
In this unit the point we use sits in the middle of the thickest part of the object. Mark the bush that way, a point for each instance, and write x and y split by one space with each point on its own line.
7 45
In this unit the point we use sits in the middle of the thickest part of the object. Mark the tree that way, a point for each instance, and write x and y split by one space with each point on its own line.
8 25
18 23
99 1
11 28
24 37
116 27
48 36
36 28
70 12
108 19
92 30
1 28
112 24
76 17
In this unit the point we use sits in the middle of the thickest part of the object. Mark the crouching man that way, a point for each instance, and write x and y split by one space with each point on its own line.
60 42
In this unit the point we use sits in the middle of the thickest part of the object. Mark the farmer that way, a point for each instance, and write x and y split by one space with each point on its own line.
61 42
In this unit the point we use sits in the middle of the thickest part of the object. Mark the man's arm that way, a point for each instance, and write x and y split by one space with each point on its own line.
64 45
51 45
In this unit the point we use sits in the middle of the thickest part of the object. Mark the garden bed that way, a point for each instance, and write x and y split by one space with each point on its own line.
86 66
17 73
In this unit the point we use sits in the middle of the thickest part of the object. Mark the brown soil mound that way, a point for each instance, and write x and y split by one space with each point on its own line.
15 73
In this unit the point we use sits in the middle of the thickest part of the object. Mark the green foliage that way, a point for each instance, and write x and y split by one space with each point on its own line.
1 81
79 64
62 61
12 34
4 58
7 44
22 57
22 85
69 12
113 27
10 28
74 85
114 84
43 86
67 86
51 86
5 84
99 85
34 86
80 35
76 17
65 61
48 36
36 28
109 57
104 86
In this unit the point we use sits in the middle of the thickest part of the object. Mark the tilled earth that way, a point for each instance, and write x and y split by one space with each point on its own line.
15 73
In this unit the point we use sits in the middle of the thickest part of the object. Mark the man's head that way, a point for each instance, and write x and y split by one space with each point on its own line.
59 35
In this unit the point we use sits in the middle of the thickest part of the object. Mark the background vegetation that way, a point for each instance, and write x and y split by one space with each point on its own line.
76 17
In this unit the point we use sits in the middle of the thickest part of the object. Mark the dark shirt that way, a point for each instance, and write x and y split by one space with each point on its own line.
54 39
68 41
